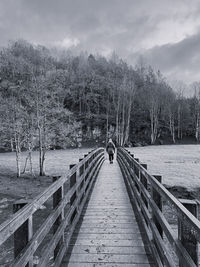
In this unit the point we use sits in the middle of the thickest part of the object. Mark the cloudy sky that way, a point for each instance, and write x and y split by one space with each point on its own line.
165 32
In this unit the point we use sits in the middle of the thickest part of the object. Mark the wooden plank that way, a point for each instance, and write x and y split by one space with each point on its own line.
111 218
110 221
107 250
138 203
69 234
186 261
182 212
164 253
57 198
39 235
51 246
171 235
23 234
109 230
83 264
158 201
108 214
121 236
112 243
105 231
103 207
109 258
13 223
186 236
105 224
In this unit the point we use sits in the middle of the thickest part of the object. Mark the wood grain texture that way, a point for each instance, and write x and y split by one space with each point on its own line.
136 189
8 227
40 234
108 234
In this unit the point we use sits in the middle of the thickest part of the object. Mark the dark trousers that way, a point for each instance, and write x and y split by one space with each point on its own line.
111 157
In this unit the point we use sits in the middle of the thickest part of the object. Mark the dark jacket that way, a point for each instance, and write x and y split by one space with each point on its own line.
110 148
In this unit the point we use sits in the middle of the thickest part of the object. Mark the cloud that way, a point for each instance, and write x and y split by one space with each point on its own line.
178 61
68 42
128 27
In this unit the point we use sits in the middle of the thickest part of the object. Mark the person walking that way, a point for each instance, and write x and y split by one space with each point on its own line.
110 148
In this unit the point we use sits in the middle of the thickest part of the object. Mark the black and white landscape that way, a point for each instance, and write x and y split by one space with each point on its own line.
74 74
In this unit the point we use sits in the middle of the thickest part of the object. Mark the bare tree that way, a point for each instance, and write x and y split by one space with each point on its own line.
196 87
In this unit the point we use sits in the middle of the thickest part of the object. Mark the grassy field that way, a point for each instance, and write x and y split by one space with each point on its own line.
179 165
56 163
12 188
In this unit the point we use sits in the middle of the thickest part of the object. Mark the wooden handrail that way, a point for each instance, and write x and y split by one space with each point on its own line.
141 186
85 171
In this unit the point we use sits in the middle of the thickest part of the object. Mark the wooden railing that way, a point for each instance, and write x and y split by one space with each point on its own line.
62 220
147 195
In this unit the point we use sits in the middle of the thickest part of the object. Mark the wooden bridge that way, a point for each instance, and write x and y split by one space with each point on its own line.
104 215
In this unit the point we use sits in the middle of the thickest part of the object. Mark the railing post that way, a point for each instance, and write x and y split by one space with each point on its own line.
143 180
185 233
158 200
73 177
132 162
24 233
136 170
137 175
74 196
80 171
57 198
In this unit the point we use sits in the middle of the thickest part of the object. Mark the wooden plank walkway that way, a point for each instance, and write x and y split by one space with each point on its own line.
108 234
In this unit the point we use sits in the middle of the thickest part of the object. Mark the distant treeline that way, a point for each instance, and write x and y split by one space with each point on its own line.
53 99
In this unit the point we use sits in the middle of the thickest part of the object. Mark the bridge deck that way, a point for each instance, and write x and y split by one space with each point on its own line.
108 234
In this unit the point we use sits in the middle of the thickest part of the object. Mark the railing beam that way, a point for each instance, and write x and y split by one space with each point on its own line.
20 224
154 220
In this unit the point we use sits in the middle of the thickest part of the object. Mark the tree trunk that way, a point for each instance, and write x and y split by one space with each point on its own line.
18 163
172 127
18 155
122 123
117 121
107 125
197 127
128 122
31 163
11 145
29 158
173 132
41 153
179 122
42 158
154 124
25 165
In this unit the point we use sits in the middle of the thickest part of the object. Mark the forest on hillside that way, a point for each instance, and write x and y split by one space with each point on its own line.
51 100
